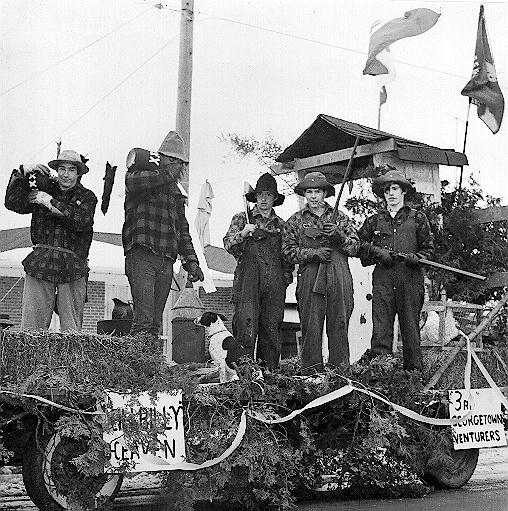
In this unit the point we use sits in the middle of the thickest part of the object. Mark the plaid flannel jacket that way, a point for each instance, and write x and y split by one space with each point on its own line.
235 244
70 234
294 226
155 214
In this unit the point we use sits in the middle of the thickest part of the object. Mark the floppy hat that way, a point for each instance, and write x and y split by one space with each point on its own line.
266 183
315 180
70 156
392 176
173 145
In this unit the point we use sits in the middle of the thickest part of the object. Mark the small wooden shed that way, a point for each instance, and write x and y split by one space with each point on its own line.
326 145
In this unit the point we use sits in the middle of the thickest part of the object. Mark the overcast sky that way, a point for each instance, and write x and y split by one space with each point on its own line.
102 75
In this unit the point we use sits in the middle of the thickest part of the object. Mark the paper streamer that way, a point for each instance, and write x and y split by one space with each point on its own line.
159 465
51 403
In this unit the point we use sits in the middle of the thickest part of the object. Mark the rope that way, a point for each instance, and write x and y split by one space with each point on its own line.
12 287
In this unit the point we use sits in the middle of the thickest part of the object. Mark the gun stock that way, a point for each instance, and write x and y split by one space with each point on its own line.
319 286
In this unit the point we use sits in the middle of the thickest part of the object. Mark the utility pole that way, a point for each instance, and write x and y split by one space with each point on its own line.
183 107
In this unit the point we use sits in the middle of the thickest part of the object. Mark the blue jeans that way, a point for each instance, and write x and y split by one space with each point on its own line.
150 276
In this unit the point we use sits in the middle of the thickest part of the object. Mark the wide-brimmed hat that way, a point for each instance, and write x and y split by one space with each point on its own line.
173 145
266 183
392 176
70 156
315 180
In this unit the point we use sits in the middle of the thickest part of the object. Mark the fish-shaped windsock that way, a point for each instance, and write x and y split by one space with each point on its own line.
109 179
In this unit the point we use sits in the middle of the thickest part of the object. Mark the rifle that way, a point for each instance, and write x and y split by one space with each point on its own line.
320 282
399 255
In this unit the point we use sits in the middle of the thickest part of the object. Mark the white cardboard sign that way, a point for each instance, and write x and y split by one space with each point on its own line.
484 428
166 409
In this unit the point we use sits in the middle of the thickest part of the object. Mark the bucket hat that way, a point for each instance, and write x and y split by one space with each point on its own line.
70 156
266 183
174 146
315 180
392 176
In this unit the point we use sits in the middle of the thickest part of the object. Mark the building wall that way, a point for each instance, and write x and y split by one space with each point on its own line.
94 308
11 295
219 301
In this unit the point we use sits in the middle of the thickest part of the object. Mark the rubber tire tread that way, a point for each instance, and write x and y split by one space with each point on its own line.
445 479
33 477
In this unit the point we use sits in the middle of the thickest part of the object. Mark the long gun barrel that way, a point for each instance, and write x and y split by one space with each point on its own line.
320 282
445 267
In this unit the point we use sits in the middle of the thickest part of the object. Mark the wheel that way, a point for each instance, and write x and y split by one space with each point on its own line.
47 467
458 474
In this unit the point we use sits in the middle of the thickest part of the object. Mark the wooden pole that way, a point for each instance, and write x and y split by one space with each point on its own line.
183 108
453 353
464 145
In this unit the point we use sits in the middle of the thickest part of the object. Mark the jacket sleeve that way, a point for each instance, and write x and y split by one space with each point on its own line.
234 242
139 181
292 252
78 213
16 195
185 246
424 236
366 236
351 243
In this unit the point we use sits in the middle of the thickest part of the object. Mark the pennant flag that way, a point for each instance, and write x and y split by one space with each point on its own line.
385 57
483 89
414 22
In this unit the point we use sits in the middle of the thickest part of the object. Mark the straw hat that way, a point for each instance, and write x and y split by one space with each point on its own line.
315 180
174 146
392 176
70 156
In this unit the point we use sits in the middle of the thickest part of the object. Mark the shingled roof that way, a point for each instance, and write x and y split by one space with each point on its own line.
216 257
327 134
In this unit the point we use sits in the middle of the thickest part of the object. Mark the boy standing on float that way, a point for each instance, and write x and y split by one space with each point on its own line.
261 276
310 239
155 231
397 282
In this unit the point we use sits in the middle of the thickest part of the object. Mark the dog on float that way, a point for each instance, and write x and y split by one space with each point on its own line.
223 347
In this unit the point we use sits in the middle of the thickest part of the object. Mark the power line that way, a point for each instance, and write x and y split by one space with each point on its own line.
61 61
73 123
344 48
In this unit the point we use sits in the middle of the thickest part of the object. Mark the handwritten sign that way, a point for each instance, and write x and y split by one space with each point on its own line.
163 416
484 428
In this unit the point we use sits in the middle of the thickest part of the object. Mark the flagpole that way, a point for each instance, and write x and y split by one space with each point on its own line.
464 145
379 114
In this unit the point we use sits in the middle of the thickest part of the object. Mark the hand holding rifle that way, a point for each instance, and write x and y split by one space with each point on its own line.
320 282
249 227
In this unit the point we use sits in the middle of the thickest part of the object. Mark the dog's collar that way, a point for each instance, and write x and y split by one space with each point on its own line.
218 332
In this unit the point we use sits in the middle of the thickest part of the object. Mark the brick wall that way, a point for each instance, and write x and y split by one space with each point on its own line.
94 308
11 300
220 301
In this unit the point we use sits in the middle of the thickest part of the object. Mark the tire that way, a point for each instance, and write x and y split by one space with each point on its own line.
46 467
457 475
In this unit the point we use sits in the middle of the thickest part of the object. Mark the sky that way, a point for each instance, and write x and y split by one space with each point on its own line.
102 75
